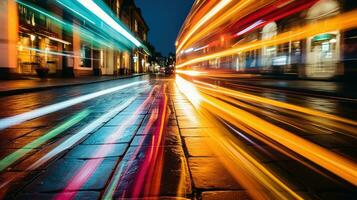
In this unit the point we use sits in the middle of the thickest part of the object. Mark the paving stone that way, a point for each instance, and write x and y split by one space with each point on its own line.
193 132
10 182
89 151
36 123
107 135
191 122
10 134
59 174
208 174
172 122
197 146
226 195
170 137
85 195
174 170
124 119
186 112
184 105
19 143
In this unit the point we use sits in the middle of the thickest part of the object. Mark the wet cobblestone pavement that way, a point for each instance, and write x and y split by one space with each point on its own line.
149 138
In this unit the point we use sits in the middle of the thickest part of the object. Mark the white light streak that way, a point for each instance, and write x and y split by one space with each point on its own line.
17 119
81 134
96 10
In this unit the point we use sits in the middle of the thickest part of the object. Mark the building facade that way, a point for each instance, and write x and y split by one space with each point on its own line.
70 41
256 40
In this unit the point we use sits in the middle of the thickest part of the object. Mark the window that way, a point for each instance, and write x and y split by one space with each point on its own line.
86 55
136 25
117 8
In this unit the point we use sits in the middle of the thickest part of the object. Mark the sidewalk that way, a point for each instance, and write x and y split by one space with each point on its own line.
12 87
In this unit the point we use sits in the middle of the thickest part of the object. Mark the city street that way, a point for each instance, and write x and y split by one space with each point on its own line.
158 136
178 100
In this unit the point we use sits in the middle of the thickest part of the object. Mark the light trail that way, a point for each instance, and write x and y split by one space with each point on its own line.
329 160
147 181
88 169
15 156
74 139
18 119
99 12
74 11
341 22
203 20
258 99
257 179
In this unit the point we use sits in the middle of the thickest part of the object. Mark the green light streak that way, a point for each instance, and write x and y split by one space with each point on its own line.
69 8
13 157
41 11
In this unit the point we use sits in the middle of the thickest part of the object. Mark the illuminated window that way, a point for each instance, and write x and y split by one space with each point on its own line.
136 25
117 7
86 55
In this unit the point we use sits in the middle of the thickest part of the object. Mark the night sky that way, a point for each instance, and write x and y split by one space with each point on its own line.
164 18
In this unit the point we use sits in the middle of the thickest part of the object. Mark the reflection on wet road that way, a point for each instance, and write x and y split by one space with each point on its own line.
181 136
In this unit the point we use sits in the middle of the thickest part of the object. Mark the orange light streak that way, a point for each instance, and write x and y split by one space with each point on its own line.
331 161
222 4
341 22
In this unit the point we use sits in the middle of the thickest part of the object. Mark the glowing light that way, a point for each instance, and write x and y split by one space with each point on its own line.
59 40
32 37
315 153
190 72
99 12
13 157
87 170
40 11
207 17
17 119
249 28
69 8
344 21
68 143
189 50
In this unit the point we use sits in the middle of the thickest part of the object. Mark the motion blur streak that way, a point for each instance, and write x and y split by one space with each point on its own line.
333 162
149 177
207 17
78 136
124 167
218 21
88 169
95 9
341 22
17 119
13 157
249 97
259 181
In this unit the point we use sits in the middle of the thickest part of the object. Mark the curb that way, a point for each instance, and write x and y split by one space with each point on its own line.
36 89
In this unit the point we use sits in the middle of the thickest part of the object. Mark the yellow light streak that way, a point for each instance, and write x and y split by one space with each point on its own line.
341 22
331 161
259 181
237 11
204 19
